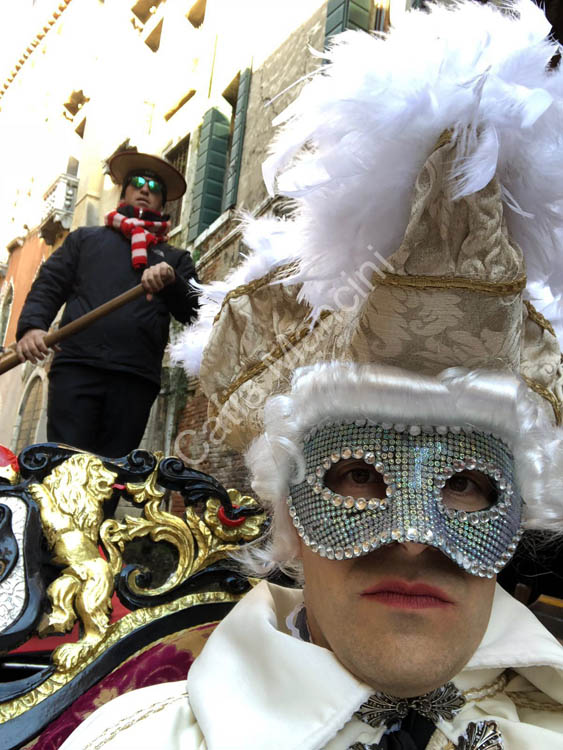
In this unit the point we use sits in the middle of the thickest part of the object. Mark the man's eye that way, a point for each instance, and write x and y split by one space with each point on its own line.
355 478
360 476
469 492
460 484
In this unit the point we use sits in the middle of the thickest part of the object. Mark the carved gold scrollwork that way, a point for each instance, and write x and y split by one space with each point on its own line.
159 525
216 535
70 501
234 531
199 544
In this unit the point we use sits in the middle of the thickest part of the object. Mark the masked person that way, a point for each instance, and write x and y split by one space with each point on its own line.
403 431
104 379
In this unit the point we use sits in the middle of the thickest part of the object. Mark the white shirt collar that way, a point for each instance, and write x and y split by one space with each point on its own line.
297 695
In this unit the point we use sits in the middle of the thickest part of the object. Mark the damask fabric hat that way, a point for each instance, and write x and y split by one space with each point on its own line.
124 162
404 303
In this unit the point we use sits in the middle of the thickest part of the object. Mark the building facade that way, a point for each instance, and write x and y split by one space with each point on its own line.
198 83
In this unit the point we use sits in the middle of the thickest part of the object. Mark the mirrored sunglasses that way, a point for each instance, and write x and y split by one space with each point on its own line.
153 185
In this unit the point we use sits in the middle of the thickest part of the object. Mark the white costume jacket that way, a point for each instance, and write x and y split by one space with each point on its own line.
257 687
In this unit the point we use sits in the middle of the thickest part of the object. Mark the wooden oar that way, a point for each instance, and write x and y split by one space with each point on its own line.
10 360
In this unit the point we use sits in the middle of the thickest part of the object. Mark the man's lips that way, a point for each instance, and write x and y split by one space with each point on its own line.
405 595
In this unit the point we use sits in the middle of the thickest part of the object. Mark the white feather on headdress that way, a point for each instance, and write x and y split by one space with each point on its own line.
270 248
355 139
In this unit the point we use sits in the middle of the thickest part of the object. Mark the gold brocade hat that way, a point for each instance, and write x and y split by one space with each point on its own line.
452 295
423 200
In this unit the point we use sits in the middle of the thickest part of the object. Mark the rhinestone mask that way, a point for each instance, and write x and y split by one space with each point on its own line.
415 464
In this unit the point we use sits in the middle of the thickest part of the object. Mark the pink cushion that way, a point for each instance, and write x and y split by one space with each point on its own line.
167 660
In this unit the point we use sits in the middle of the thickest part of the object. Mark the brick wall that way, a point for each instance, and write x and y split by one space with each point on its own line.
194 444
23 265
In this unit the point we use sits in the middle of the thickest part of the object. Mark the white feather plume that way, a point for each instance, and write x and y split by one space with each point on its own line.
370 118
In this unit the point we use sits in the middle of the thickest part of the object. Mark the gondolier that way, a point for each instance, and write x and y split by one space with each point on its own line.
103 380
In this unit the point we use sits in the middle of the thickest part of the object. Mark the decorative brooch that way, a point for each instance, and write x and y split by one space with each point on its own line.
483 735
442 703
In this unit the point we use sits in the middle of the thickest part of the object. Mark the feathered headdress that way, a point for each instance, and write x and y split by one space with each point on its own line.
426 170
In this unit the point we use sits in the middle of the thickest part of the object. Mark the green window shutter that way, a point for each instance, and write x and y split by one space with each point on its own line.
233 169
210 172
346 14
336 17
358 14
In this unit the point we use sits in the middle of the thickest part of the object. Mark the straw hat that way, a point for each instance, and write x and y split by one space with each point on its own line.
125 162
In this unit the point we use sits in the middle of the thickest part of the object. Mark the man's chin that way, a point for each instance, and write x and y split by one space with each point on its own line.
407 661
410 679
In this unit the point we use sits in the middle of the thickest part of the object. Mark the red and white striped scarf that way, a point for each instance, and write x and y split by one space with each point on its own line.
142 232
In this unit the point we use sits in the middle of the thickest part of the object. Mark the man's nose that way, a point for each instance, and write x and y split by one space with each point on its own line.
144 189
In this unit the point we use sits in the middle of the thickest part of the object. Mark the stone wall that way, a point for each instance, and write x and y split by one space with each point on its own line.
285 66
220 248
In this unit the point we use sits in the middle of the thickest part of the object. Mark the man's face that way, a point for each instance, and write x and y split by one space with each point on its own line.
378 616
143 197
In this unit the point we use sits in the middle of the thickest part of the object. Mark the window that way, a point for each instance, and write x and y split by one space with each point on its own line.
75 102
153 39
81 127
210 172
72 166
355 14
381 20
196 14
30 413
219 157
144 9
178 157
237 95
72 110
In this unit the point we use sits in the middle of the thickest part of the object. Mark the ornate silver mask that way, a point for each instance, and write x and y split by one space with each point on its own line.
417 467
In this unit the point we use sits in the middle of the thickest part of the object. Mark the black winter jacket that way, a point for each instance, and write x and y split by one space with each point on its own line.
92 266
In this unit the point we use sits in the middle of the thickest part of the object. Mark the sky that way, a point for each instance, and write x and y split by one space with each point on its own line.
21 23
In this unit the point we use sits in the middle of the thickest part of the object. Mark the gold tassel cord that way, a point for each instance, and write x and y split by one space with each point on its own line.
453 282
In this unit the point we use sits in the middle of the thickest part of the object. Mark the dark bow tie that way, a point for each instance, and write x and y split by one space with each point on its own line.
415 733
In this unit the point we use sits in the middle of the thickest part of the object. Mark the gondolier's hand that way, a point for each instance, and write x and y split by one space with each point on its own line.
32 346
156 277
